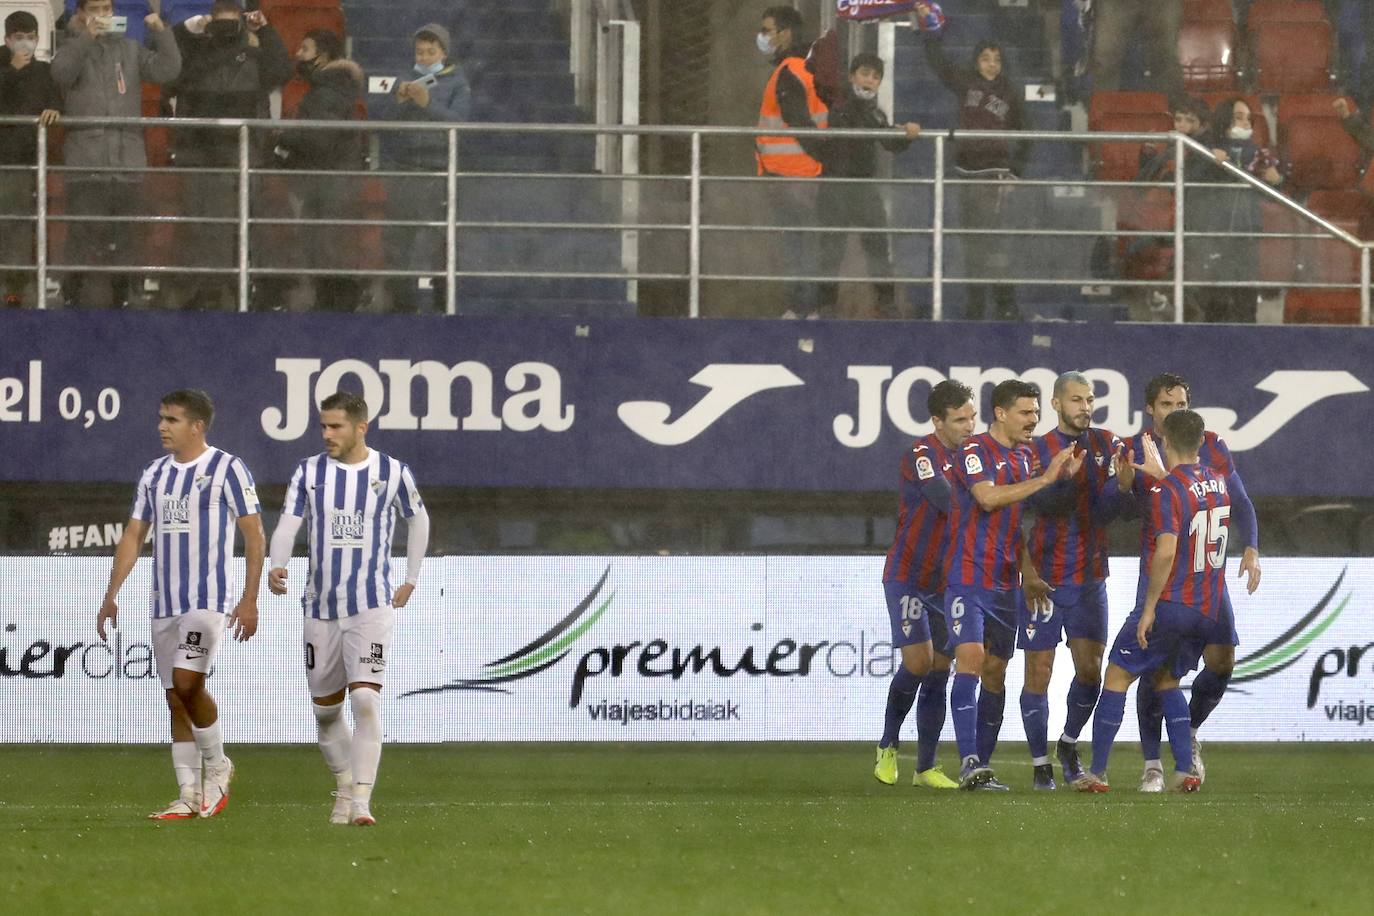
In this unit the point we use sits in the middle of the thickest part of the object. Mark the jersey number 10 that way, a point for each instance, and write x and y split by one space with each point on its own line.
1208 533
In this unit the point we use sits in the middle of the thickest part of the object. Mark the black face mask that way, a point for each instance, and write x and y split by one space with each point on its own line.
223 31
306 67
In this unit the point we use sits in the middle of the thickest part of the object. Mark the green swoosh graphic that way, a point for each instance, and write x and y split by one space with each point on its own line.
555 647
1278 656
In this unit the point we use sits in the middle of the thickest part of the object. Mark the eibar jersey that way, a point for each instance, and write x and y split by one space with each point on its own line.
193 508
983 545
917 554
1068 542
1192 503
349 511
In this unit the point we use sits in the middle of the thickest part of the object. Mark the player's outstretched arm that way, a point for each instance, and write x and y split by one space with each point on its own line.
417 542
126 555
991 497
243 622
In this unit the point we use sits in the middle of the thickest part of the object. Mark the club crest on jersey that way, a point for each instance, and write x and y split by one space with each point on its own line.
378 486
906 629
201 480
1030 632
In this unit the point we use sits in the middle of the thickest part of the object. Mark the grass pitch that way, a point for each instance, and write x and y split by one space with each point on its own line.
718 829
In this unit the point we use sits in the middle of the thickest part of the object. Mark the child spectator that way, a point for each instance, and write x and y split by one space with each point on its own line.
854 205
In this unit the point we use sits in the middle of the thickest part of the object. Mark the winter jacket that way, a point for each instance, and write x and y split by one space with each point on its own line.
29 91
103 77
333 96
450 100
983 105
852 157
233 80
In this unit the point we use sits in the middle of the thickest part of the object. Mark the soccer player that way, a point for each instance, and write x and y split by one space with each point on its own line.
192 499
1182 604
913 580
993 478
350 495
1068 545
1164 394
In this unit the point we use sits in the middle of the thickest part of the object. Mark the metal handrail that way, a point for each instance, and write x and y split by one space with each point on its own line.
695 182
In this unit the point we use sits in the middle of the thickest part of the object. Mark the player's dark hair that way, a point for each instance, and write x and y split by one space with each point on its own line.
785 18
327 43
946 396
1183 429
194 402
351 404
21 21
1162 383
867 59
1012 390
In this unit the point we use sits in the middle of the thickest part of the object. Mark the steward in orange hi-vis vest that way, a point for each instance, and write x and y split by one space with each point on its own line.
790 86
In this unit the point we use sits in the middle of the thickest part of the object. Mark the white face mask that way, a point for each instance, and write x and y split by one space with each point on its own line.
867 95
765 44
23 46
1241 133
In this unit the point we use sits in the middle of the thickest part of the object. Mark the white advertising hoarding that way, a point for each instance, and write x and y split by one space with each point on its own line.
637 649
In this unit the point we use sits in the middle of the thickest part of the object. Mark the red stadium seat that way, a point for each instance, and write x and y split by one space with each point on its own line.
1292 56
293 20
1205 10
156 139
1330 260
1322 155
1285 11
1146 210
268 6
1257 118
1207 54
1321 306
1108 103
1120 161
1308 105
1278 258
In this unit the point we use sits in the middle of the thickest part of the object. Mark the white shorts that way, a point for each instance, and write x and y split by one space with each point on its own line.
349 650
186 641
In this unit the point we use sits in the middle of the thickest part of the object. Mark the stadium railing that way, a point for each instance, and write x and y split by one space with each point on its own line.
674 205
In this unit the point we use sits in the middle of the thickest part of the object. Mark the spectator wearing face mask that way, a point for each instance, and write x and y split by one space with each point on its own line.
100 73
434 92
231 63
26 88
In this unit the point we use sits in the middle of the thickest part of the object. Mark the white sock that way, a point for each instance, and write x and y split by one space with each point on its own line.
1155 764
367 741
1067 740
186 764
335 742
210 740
1194 733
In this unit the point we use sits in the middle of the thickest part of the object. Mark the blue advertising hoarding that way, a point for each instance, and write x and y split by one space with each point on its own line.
651 403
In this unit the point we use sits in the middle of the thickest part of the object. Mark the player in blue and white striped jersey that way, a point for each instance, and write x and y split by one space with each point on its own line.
348 496
192 499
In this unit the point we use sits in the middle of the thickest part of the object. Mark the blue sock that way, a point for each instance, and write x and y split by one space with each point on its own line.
930 718
963 706
1150 715
1081 700
1180 726
1111 709
901 693
1208 689
990 708
1035 715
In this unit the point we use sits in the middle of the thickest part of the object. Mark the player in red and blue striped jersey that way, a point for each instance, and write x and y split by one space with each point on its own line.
913 581
986 562
1165 394
1182 605
1068 545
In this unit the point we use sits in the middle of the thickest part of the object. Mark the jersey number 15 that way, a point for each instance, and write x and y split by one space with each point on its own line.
1208 533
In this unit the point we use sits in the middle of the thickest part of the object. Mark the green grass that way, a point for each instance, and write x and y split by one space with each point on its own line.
717 829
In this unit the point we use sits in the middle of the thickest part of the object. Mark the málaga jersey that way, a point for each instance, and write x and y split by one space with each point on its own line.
349 511
192 509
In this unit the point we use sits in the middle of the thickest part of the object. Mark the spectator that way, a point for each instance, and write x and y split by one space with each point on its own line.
846 205
790 100
231 63
26 88
1228 260
335 89
436 94
1355 125
1117 24
101 75
988 100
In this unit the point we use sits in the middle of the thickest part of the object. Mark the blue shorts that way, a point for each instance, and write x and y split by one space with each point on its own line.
1078 612
984 616
909 612
1176 641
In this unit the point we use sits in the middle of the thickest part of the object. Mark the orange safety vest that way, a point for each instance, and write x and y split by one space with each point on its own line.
784 155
